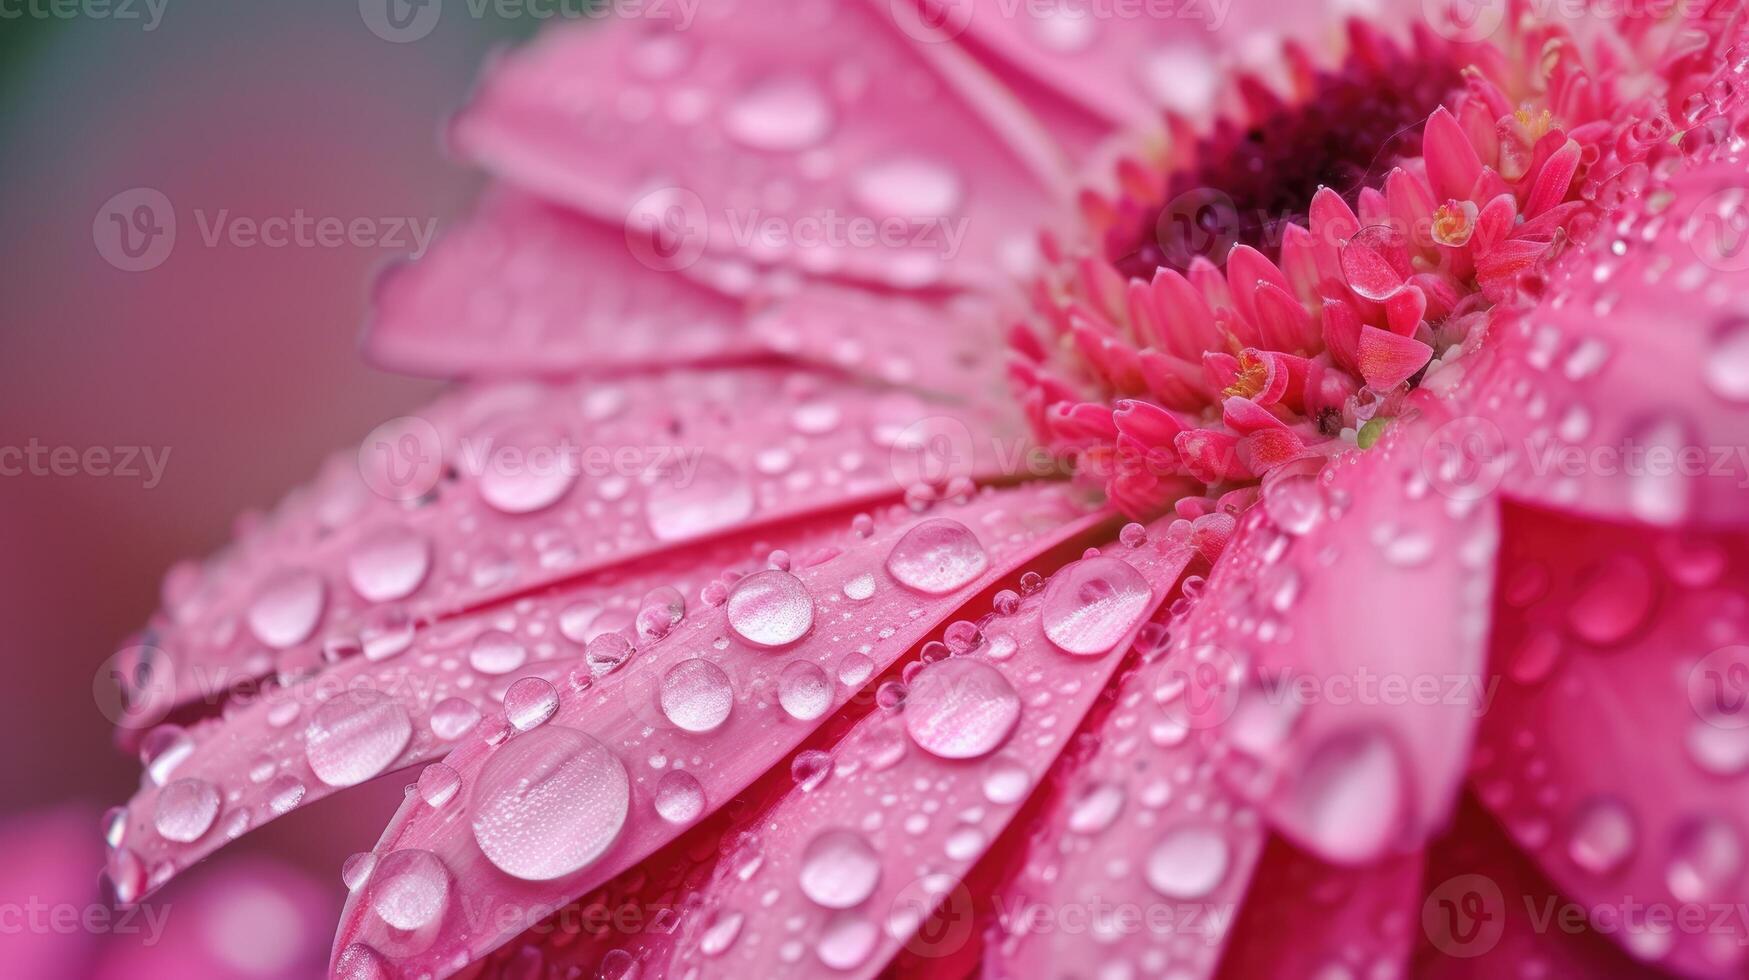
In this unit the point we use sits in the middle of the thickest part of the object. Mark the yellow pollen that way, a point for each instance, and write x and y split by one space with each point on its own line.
1253 375
1536 126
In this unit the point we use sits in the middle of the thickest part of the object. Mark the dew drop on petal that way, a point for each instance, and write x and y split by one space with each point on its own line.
810 768
360 962
937 556
528 469
529 702
1092 604
846 942
454 717
354 736
496 652
1095 808
1188 862
409 889
679 797
1349 794
696 695
714 496
287 608
186 810
960 708
438 784
860 588
1603 836
1006 781
1706 856
1727 365
356 870
783 113
1615 599
839 869
720 932
284 793
549 802
804 690
770 609
389 564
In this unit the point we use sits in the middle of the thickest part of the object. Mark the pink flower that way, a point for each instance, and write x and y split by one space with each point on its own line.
754 639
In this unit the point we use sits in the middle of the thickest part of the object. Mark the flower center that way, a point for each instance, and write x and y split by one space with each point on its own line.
1273 290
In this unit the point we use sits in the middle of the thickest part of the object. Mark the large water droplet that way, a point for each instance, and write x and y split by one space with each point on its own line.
438 784
1660 494
715 495
839 869
909 188
287 608
1095 808
389 564
1727 365
496 652
961 708
696 695
1615 600
780 114
1188 862
1092 604
1603 836
453 718
410 888
549 802
529 702
847 941
770 609
1706 856
679 797
186 809
937 556
1349 795
528 469
804 690
355 735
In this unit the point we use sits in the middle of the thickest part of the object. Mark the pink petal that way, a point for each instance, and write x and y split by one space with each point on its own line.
1335 594
526 288
1388 359
864 124
1614 751
606 737
620 469
886 777
50 856
1625 394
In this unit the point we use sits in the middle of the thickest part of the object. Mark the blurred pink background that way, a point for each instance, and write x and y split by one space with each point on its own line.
241 363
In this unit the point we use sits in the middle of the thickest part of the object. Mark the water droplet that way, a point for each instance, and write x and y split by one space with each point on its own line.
1006 781
1660 494
909 188
389 564
846 942
720 932
186 809
804 690
528 469
355 735
606 653
1727 366
961 708
1706 856
696 695
355 871
163 749
714 496
937 556
860 588
1095 808
1188 862
496 652
839 869
438 784
1614 601
287 608
780 114
1603 836
770 609
529 702
662 609
1295 504
1718 750
1092 604
454 717
549 803
360 962
410 889
810 768
284 793
854 669
1349 795
679 797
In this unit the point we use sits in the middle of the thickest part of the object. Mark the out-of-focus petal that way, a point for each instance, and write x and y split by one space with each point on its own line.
53 910
539 818
1625 393
861 153
1615 750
